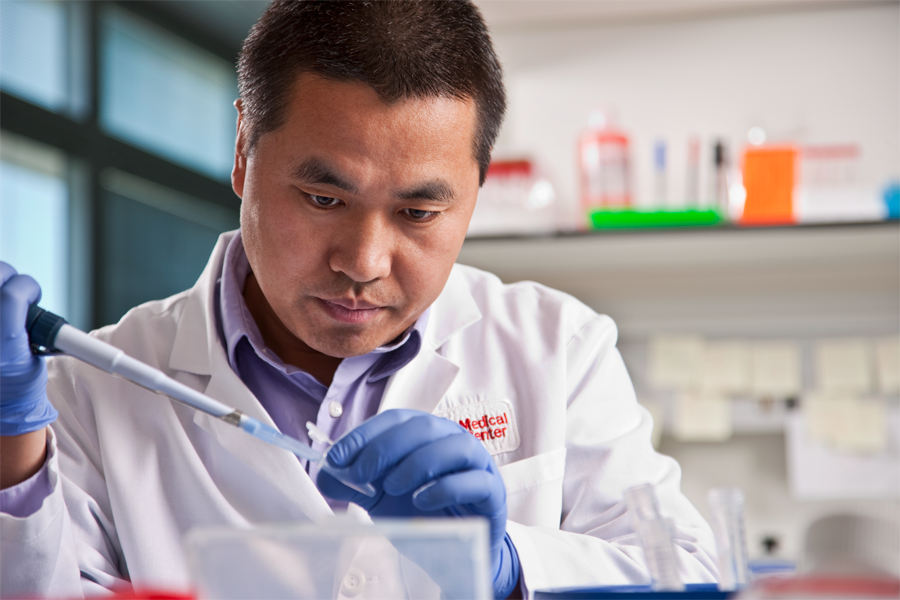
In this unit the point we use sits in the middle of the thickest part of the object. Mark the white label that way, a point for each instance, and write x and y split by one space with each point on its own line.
491 422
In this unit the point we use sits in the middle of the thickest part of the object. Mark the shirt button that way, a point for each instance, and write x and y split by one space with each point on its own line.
335 409
353 583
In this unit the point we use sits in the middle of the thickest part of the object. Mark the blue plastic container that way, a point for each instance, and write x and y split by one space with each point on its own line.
707 591
892 199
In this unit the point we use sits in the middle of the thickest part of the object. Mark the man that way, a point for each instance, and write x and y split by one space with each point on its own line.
364 133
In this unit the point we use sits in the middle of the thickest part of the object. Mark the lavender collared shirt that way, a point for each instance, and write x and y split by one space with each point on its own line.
290 395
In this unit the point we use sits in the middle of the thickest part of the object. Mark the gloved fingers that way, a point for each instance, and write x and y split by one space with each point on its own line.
452 454
383 453
16 294
349 445
336 490
6 271
474 488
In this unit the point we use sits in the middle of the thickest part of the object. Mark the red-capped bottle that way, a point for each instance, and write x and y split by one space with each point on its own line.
604 162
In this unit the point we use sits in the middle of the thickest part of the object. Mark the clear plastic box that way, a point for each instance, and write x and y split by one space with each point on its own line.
343 558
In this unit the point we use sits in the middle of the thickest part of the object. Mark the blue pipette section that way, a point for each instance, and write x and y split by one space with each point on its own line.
276 438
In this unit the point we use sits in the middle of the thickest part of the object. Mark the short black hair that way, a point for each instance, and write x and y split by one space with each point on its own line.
401 48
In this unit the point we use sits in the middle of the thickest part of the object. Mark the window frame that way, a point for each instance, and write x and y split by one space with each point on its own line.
92 151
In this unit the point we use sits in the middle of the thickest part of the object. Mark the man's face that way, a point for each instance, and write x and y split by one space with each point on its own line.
354 211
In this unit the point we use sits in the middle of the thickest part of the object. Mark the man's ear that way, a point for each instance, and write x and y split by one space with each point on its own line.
239 172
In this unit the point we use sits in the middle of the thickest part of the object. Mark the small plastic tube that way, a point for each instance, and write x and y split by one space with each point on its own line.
726 505
655 533
317 435
276 438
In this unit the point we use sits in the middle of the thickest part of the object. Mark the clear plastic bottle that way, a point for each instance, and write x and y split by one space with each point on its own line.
604 164
726 505
719 176
661 183
655 533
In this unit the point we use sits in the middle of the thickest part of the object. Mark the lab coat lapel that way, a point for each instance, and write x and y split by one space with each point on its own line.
420 384
423 382
280 468
197 349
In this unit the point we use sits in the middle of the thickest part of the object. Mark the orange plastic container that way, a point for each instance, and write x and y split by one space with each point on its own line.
769 182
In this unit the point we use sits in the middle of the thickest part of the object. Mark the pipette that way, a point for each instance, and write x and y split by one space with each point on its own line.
50 333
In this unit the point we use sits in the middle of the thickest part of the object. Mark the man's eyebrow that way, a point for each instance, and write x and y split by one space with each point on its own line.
318 172
438 190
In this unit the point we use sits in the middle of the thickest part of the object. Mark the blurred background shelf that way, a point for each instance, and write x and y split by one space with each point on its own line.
799 283
761 282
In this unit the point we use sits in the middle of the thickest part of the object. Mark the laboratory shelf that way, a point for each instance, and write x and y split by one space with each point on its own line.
796 281
684 229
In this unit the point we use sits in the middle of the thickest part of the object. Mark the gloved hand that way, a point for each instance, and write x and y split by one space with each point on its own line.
423 465
24 406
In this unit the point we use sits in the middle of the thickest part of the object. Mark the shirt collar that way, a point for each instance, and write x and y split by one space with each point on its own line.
237 322
398 354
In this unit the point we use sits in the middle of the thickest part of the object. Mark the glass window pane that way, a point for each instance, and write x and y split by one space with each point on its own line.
33 53
34 200
165 95
155 242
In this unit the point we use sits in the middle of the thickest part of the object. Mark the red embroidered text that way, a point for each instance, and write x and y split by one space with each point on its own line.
487 427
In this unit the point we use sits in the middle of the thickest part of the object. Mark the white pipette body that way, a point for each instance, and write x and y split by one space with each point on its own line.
107 357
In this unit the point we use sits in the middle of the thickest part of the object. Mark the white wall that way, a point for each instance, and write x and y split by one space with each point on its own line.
812 76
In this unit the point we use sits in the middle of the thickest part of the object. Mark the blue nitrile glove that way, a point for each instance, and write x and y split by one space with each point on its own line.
24 406
399 452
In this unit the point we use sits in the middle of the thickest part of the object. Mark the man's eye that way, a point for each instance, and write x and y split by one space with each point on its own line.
323 201
420 215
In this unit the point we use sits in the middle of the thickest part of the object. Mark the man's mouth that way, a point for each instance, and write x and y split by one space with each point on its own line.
346 310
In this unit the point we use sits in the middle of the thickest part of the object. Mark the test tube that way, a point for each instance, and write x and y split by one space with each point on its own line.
655 533
692 177
726 505
659 172
719 191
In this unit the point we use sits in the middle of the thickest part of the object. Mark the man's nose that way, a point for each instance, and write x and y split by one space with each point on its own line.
362 251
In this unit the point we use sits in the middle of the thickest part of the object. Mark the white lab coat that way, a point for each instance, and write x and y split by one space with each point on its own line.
132 471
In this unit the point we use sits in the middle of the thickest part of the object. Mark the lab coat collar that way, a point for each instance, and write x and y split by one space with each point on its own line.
423 382
197 338
454 310
197 349
420 384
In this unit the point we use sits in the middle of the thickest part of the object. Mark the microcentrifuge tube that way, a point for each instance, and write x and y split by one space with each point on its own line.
655 533
726 505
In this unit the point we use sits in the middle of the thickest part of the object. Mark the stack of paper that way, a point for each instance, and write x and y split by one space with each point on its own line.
706 374
843 366
820 471
676 361
726 368
775 369
887 365
702 418
846 423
